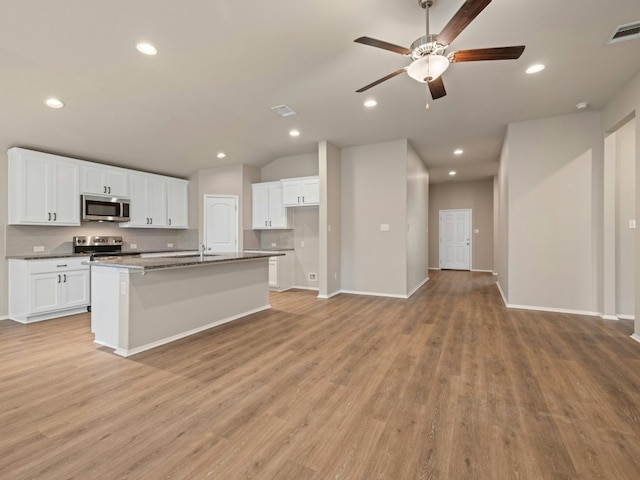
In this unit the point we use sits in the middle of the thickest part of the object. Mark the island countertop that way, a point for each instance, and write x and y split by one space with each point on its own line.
156 263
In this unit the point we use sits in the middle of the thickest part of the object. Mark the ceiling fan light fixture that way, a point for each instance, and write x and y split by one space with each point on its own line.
535 68
428 68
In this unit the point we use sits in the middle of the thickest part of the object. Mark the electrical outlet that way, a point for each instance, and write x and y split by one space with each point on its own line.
384 227
632 223
302 244
169 245
274 245
38 249
313 277
133 246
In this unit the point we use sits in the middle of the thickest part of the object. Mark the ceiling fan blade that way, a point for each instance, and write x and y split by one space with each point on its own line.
372 42
463 17
436 87
383 79
499 53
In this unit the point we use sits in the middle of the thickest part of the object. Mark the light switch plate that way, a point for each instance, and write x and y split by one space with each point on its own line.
274 245
384 227
632 223
477 230
133 246
38 249
169 245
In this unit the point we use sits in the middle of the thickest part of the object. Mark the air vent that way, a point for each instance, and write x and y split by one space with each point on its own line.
284 110
629 31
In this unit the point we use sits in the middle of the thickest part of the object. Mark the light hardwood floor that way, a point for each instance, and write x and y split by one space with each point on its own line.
448 384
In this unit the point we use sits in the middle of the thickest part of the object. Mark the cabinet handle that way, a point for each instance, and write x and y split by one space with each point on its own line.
109 189
60 266
49 216
266 223
65 278
59 278
298 199
104 189
169 221
55 216
151 220
302 199
147 220
269 222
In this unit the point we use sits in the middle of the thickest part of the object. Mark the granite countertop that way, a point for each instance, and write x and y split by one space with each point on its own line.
259 250
42 256
157 263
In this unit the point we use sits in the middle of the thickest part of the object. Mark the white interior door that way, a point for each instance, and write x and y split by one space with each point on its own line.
221 223
455 239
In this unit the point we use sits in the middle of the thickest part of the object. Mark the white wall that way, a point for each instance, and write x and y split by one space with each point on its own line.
374 192
329 225
625 210
552 183
625 105
417 221
502 260
305 165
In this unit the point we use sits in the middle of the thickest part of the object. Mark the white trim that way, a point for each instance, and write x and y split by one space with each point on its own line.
306 288
418 287
625 317
4 317
483 271
609 317
374 294
333 294
127 353
495 274
434 268
636 337
504 299
554 310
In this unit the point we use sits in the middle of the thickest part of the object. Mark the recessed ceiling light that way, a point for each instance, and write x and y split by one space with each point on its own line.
147 48
54 103
535 68
582 105
458 151
370 103
221 155
452 173
294 133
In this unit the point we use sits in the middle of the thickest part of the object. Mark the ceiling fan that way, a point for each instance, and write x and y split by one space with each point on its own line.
429 60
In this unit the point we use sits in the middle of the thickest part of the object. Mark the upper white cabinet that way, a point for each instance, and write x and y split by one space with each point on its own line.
44 189
104 180
268 210
148 201
302 191
177 203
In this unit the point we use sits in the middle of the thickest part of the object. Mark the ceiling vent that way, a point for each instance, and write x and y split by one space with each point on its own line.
625 32
284 110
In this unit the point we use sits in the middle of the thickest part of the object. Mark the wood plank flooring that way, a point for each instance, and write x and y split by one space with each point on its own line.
448 384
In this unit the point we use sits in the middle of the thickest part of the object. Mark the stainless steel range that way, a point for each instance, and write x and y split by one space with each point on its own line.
100 246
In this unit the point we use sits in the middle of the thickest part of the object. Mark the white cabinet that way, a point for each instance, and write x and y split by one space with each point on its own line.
44 189
148 207
268 211
177 203
48 288
302 191
281 272
104 180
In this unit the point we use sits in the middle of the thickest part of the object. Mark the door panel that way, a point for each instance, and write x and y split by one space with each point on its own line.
221 224
455 239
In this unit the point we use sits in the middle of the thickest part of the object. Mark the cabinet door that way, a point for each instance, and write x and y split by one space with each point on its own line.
34 186
291 193
76 288
260 206
93 180
273 272
139 208
310 191
177 204
45 292
157 201
66 194
117 182
277 212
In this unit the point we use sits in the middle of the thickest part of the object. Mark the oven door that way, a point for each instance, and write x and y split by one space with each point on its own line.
104 209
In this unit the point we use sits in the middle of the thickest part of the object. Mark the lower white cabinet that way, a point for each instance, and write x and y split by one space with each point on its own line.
281 272
48 288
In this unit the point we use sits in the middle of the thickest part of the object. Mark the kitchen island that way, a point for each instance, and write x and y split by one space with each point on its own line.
142 303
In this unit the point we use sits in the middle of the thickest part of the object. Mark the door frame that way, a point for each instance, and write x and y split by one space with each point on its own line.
207 196
470 210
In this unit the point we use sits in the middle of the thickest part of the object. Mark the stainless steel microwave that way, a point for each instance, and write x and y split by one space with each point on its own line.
105 209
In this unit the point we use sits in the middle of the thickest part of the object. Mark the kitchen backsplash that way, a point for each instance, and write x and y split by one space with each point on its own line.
20 239
281 239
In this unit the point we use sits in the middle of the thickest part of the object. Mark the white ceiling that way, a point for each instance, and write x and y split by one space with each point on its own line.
223 63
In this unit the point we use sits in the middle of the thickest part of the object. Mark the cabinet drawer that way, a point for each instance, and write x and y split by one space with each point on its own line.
57 264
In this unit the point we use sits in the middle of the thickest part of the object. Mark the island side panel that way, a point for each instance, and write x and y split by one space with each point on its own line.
167 304
110 306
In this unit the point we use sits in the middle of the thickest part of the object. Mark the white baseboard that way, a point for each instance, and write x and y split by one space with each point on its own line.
482 271
306 288
333 294
554 310
418 287
374 294
148 346
625 317
504 299
609 317
4 317
636 337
